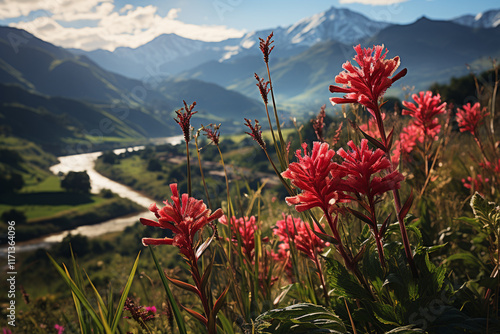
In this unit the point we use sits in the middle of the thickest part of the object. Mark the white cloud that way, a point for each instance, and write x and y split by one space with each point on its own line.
173 13
130 26
17 8
373 2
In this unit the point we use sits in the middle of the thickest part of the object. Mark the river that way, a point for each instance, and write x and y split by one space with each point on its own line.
86 162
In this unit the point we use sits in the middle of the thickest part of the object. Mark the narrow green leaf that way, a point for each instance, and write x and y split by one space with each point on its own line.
126 289
104 322
226 324
175 309
101 304
79 294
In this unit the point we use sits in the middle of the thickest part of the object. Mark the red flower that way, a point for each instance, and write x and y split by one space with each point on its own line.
361 164
212 132
300 233
424 112
470 117
244 227
263 88
184 217
184 119
265 47
318 178
366 84
256 133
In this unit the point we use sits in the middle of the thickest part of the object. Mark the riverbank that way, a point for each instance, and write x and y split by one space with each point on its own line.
53 213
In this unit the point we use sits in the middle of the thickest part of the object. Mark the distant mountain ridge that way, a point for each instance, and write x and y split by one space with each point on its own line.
54 97
488 19
170 54
433 51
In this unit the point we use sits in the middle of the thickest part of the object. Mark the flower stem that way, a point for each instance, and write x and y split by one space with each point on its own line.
397 200
188 170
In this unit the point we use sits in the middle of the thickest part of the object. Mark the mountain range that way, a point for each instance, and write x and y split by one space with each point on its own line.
310 52
138 90
54 97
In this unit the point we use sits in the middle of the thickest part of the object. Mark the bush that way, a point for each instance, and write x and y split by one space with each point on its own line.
78 182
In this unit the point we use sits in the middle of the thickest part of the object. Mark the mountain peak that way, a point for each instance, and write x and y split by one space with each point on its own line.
488 19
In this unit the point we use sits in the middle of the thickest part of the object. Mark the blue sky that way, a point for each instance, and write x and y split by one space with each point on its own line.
107 24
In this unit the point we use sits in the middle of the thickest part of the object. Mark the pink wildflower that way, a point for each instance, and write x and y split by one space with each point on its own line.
318 178
294 229
60 329
184 217
368 83
424 112
470 117
245 227
151 309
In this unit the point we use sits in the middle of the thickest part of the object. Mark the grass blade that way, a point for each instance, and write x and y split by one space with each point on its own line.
175 309
126 289
79 294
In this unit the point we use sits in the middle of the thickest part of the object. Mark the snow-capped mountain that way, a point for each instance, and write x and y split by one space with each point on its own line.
489 19
171 54
336 24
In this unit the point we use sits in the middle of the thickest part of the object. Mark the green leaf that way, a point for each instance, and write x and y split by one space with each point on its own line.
405 330
343 282
77 292
227 326
298 319
126 289
173 303
486 212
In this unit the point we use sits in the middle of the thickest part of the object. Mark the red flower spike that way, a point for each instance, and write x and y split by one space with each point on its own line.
212 132
367 83
424 112
361 164
264 47
470 117
255 133
185 216
263 89
318 178
184 119
319 123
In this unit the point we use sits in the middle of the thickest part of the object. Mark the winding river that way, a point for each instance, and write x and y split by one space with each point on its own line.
86 162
